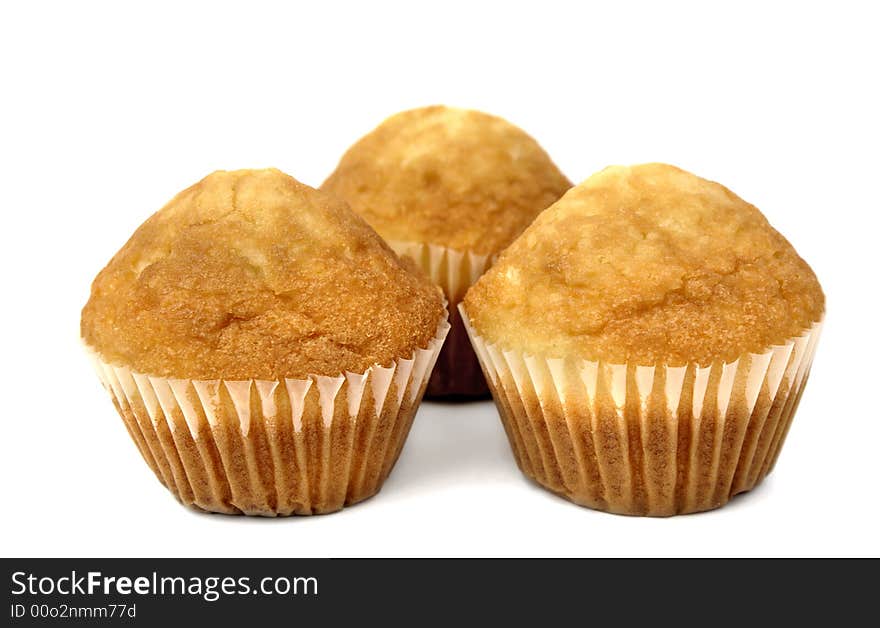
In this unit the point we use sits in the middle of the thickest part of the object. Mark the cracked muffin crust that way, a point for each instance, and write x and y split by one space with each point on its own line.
647 264
251 274
462 179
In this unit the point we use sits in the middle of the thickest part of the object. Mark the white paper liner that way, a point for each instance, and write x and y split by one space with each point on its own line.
264 447
453 270
458 373
647 440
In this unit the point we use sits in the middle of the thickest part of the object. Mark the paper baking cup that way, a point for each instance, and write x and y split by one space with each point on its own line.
267 447
458 372
647 440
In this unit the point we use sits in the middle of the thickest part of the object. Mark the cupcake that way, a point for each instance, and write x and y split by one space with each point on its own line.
647 341
264 347
449 188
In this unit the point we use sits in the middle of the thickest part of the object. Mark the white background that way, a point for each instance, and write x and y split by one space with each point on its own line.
108 110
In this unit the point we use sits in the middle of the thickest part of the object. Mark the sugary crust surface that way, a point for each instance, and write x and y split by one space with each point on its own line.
647 264
453 177
251 274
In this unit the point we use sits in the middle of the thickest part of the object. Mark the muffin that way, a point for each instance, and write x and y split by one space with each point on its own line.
264 347
647 341
449 188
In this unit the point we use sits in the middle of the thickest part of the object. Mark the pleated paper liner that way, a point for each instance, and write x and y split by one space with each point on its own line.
259 447
647 440
458 372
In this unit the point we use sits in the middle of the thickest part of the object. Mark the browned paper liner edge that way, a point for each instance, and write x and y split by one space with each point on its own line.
647 440
264 447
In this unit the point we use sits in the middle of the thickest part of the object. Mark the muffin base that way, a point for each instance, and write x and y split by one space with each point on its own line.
639 440
458 374
270 448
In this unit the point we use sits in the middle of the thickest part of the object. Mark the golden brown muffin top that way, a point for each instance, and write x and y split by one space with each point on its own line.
453 177
251 274
647 264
